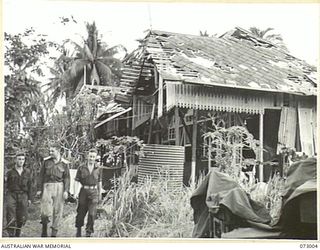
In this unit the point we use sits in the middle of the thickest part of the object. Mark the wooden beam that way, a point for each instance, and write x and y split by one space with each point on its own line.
156 80
182 137
128 123
134 112
194 147
160 97
176 125
151 122
154 105
184 125
261 147
209 152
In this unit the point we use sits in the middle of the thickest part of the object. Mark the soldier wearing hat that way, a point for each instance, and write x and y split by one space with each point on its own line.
88 186
18 195
55 183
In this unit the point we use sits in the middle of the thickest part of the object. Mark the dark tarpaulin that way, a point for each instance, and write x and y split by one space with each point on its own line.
219 189
299 173
298 218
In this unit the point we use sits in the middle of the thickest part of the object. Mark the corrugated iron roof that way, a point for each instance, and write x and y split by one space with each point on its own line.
237 59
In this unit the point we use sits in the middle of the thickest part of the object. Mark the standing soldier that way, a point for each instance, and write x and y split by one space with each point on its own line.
89 176
55 183
18 182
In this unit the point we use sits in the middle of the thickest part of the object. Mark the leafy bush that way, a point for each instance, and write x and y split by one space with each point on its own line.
226 146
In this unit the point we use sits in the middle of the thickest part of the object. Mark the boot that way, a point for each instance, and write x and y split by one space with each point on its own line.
44 222
18 232
88 234
44 230
78 232
54 232
11 232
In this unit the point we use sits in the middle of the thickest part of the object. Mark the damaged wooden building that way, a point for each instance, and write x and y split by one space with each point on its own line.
173 83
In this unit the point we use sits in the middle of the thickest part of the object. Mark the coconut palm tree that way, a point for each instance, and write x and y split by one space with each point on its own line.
205 33
94 63
276 39
59 84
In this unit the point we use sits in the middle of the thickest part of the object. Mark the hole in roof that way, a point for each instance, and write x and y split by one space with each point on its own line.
164 35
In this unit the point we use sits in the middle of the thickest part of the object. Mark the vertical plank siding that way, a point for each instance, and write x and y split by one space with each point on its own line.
306 130
287 127
314 128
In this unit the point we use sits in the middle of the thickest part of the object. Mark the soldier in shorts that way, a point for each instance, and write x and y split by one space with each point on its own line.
88 181
18 197
55 183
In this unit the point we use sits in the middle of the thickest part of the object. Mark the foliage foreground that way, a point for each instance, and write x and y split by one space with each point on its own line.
150 209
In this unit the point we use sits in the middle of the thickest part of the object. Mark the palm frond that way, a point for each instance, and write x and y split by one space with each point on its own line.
109 52
105 73
94 76
111 62
77 67
254 31
273 37
92 35
263 32
88 52
76 45
56 94
95 43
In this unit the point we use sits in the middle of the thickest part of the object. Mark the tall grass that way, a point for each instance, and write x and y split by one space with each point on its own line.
148 209
273 202
270 195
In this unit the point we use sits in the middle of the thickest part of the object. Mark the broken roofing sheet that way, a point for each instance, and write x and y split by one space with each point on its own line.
237 59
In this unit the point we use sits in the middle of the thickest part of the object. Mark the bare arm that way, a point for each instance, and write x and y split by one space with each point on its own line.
100 190
77 187
77 184
100 185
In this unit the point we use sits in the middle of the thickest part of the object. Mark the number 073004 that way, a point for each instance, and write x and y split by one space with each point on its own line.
308 245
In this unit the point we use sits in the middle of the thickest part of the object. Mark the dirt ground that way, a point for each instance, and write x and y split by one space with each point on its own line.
67 229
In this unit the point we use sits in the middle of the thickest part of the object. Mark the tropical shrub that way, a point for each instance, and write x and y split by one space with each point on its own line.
226 146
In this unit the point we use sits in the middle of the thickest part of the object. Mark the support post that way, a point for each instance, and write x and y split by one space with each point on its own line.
209 153
128 123
151 122
181 143
194 147
176 125
154 105
185 127
261 147
134 112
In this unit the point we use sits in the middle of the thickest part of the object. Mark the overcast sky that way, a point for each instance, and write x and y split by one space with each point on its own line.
125 22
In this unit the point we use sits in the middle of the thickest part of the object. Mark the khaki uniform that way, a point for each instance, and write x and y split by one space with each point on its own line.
88 196
18 194
55 180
